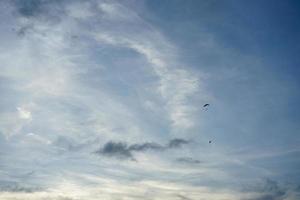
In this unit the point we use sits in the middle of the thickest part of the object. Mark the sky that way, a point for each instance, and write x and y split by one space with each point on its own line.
104 100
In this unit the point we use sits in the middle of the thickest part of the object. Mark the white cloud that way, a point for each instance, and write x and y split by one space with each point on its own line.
24 114
31 137
176 84
12 122
80 10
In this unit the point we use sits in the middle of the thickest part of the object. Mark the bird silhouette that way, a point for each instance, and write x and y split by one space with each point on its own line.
205 105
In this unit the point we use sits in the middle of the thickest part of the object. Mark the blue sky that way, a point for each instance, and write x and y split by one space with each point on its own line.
104 100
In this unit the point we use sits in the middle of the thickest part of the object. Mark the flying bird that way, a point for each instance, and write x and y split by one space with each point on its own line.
209 141
205 105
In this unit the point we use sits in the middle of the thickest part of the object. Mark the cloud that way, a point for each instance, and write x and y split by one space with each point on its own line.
22 31
88 76
146 146
38 139
13 122
183 197
176 84
176 143
124 151
15 187
188 160
29 8
112 189
52 9
23 113
116 149
272 190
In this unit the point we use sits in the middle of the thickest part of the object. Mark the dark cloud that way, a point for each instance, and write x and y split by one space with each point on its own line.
269 190
124 151
266 197
15 187
146 146
272 187
182 197
23 30
116 149
65 198
177 142
29 8
51 10
188 160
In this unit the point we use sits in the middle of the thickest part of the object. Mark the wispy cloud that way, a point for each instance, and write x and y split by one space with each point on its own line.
176 85
79 75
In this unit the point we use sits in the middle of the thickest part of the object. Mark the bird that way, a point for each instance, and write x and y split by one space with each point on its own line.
205 105
209 141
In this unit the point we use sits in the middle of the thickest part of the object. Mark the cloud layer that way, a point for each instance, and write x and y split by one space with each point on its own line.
85 82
